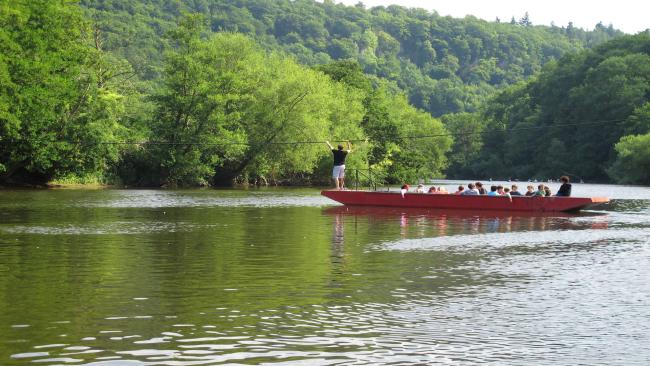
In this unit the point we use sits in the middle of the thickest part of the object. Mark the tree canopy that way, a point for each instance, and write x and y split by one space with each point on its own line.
569 118
445 65
197 92
56 100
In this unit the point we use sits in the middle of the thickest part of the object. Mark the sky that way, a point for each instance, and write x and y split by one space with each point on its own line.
630 16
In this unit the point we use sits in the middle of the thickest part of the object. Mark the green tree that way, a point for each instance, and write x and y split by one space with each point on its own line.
467 130
292 104
569 117
632 165
400 44
229 111
525 21
421 145
639 121
57 111
194 116
391 124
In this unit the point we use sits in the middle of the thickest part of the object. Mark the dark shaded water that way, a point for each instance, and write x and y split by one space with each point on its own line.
209 277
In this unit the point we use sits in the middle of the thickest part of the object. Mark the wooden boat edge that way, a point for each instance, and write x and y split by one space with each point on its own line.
425 200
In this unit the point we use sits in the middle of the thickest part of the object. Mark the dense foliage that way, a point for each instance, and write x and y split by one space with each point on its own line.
633 162
195 92
445 65
221 109
569 119
225 106
57 100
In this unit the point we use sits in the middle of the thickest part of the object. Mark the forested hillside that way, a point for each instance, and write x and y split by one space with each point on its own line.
445 65
197 92
587 115
215 109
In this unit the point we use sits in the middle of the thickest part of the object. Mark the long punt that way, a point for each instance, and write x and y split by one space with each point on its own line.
450 201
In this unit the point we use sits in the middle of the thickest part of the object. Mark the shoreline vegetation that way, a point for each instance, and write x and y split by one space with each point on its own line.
247 92
72 184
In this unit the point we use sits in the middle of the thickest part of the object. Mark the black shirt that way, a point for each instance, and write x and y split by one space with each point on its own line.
339 156
565 190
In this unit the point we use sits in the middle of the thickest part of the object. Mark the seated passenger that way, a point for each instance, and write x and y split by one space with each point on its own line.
514 191
565 188
479 188
404 189
432 190
470 191
419 189
442 190
506 193
460 190
547 191
530 191
500 190
540 191
493 191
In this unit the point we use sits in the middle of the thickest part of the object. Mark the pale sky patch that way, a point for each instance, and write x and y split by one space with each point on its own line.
630 16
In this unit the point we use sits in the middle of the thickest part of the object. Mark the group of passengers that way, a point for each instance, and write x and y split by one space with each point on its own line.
477 189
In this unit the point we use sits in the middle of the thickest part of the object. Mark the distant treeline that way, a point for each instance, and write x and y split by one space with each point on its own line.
191 93
587 116
445 65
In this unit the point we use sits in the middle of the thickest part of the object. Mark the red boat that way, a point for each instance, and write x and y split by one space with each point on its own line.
462 202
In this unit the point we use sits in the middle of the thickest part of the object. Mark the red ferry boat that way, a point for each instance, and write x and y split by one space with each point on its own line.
462 202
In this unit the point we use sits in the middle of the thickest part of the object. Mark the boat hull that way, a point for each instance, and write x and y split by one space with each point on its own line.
461 202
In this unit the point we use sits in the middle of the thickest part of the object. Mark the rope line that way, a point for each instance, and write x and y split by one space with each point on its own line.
412 137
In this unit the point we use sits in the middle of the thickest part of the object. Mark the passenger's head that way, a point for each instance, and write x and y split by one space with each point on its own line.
564 179
479 184
470 186
530 188
514 187
340 147
500 188
540 187
493 188
506 189
461 188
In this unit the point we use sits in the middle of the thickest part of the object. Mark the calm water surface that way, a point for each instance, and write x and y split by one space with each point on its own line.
286 277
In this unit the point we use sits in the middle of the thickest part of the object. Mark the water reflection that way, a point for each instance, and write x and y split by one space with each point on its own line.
229 277
338 240
414 222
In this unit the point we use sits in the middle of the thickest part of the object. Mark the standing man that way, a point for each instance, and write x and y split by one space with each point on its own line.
338 173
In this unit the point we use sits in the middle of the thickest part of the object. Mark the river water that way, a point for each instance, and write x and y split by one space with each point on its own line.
287 277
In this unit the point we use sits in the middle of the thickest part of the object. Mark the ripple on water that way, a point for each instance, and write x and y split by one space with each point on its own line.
116 363
29 355
416 330
113 228
475 241
533 297
163 199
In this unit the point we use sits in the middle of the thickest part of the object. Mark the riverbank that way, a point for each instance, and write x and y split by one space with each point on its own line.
94 183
